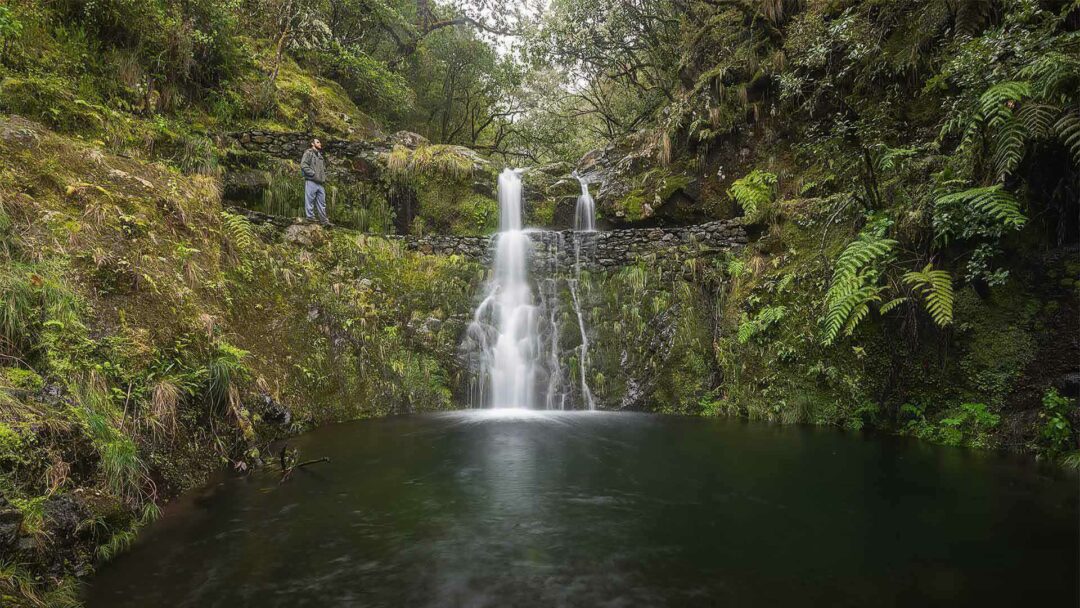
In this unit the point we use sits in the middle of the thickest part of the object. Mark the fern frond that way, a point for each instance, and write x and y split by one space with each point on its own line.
854 283
859 254
1009 146
754 193
936 288
848 307
857 314
1067 129
239 231
1038 118
996 104
1054 76
993 201
891 304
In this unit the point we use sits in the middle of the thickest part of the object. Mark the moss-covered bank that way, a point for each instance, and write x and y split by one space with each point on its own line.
147 338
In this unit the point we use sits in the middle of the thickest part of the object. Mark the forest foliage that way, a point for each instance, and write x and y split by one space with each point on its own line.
908 172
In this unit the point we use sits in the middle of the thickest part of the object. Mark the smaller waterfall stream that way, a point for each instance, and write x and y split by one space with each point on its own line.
585 213
584 222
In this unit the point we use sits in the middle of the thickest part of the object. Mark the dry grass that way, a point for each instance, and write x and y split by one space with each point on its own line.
164 404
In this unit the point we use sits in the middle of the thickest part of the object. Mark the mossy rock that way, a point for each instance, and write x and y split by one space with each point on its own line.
21 379
14 448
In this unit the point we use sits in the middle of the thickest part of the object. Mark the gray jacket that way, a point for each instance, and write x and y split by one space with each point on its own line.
313 165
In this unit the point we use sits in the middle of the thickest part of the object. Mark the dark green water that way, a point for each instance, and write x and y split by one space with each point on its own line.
472 509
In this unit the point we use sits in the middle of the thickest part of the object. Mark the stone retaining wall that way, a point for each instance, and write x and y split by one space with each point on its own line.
559 249
292 145
598 250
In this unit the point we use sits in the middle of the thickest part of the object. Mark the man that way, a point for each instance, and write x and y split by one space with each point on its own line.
313 165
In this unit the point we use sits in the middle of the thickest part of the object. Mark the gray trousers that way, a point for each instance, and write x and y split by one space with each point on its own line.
314 201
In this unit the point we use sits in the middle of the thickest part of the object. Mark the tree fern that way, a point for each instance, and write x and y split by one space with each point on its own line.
936 288
754 193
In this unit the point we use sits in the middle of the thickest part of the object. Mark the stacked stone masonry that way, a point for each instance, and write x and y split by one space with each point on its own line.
292 145
563 249
595 250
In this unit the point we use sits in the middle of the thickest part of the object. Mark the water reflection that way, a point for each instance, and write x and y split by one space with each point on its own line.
526 508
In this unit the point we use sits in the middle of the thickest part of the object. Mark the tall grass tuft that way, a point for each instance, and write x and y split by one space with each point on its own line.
224 371
124 472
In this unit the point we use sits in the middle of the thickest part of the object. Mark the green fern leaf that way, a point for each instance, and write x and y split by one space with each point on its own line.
936 288
754 193
1055 76
891 304
854 284
996 104
1038 118
239 231
1009 146
1067 129
993 201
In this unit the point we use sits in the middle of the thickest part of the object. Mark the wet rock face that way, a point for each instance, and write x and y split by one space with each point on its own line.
632 189
64 540
346 159
10 524
245 185
292 145
273 411
18 129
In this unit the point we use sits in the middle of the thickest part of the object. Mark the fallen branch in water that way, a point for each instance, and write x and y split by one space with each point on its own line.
287 467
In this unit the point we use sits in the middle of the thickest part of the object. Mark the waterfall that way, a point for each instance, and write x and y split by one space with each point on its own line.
512 344
508 354
584 221
585 213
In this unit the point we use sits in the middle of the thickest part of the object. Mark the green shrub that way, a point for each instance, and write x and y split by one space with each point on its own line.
970 424
1056 435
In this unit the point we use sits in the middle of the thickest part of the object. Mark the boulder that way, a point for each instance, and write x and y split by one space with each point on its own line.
304 233
272 410
408 139
18 129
